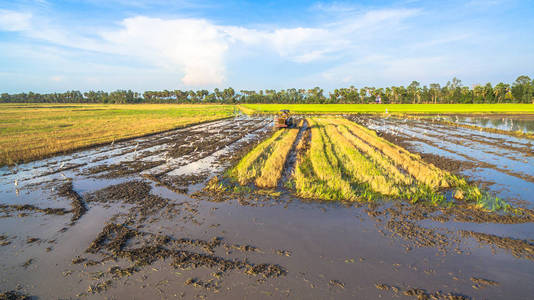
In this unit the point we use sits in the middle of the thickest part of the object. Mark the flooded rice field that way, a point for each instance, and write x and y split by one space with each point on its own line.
518 123
502 163
132 220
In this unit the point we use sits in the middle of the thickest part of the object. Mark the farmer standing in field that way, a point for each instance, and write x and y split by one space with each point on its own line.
378 99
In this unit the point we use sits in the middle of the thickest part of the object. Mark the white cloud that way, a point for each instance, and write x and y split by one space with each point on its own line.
14 21
295 44
195 46
198 48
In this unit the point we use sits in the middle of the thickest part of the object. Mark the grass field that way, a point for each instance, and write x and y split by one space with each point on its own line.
392 108
33 131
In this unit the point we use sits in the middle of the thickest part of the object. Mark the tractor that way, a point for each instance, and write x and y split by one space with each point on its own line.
283 119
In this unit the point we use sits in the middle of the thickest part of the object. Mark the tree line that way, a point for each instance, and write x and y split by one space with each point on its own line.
520 91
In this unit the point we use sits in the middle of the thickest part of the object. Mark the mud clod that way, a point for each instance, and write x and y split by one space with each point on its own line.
28 207
122 169
99 287
118 272
113 238
78 206
115 241
210 284
518 248
27 263
417 235
13 295
31 240
167 183
129 192
481 282
283 252
336 283
424 295
78 260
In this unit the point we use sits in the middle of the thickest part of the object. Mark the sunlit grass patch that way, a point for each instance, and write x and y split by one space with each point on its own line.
346 161
250 165
274 165
264 164
30 132
340 160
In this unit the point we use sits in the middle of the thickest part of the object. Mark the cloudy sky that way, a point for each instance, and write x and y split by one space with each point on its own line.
48 45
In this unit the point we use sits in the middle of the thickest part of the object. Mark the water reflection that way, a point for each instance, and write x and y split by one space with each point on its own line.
523 124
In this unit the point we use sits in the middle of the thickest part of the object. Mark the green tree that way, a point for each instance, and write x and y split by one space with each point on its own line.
522 89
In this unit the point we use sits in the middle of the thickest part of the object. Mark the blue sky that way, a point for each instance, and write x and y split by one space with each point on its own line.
48 46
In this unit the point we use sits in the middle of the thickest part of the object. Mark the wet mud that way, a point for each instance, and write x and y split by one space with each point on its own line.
140 224
500 162
78 206
22 210
13 295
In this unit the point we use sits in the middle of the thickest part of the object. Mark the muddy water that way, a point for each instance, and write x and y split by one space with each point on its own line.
502 163
322 250
522 123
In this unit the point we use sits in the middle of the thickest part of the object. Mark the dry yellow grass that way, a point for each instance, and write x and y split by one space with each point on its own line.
274 165
346 162
426 173
251 164
383 161
359 168
33 131
327 166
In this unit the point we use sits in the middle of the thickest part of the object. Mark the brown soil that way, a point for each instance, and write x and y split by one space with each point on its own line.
78 206
519 248
160 181
178 184
122 169
481 282
4 240
116 241
129 192
292 156
13 295
401 221
420 293
6 209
